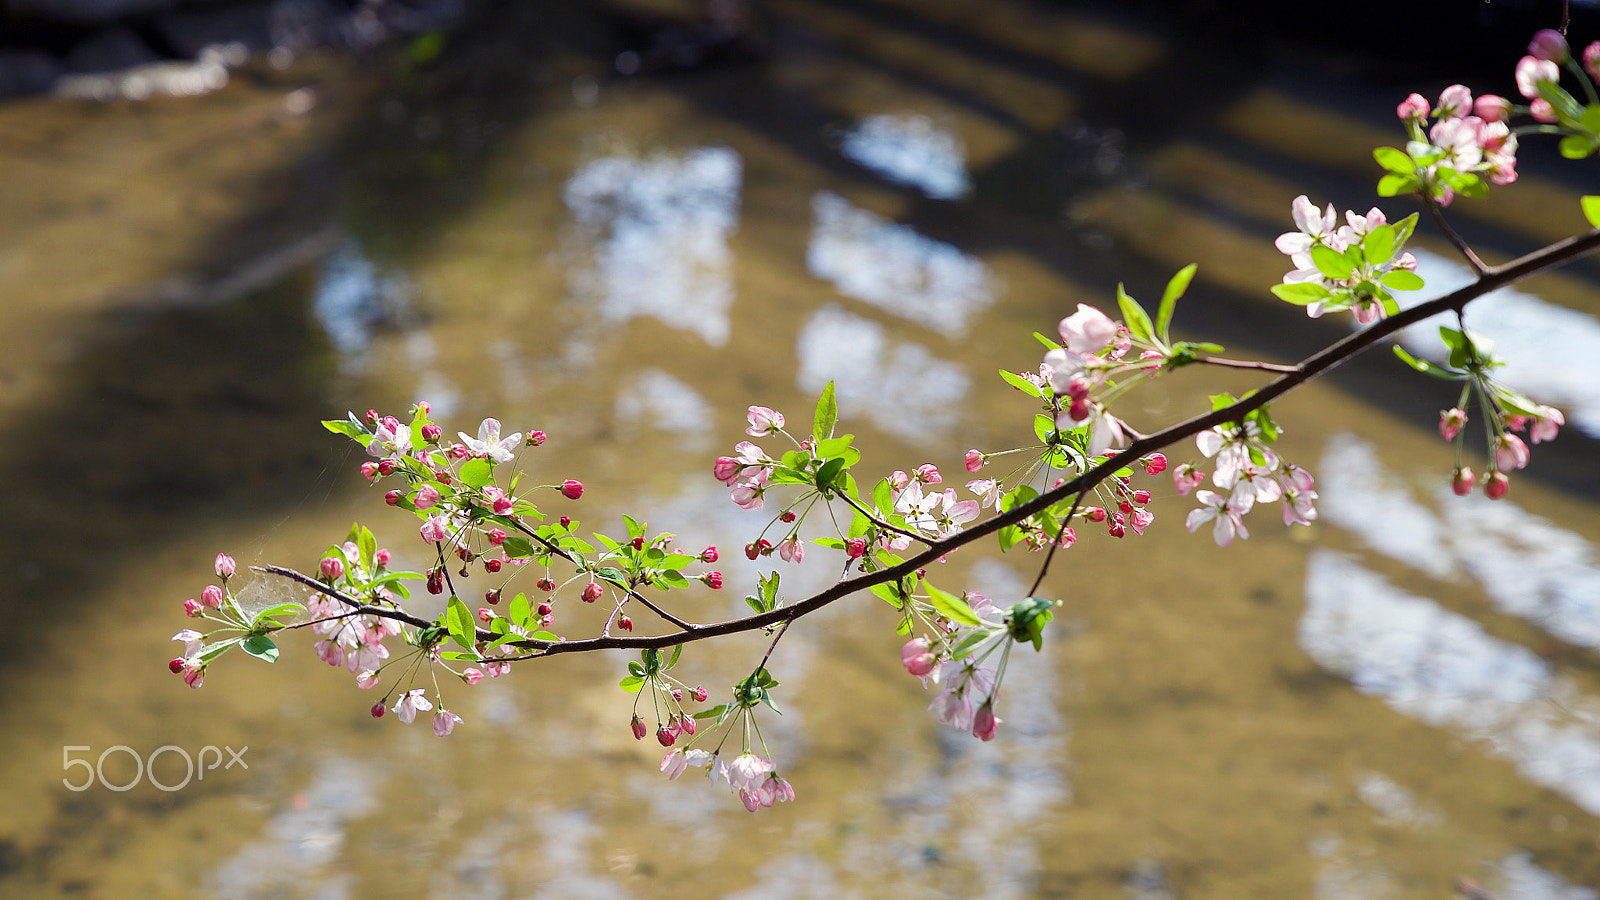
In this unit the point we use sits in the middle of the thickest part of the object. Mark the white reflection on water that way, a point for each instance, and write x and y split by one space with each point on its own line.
1394 804
654 397
905 390
890 266
659 229
1529 567
1445 671
301 840
1526 881
910 149
352 299
1551 353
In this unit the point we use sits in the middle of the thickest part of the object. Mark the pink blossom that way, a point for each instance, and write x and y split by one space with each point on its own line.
791 549
1413 107
763 421
444 722
192 608
709 554
1510 452
1549 44
1299 507
1531 72
1450 422
975 460
211 596
390 439
411 703
489 442
331 567
1155 463
377 710
1186 478
368 680
571 490
431 433
918 657
330 652
1087 331
427 497
434 529
1454 103
1492 108
192 640
1496 485
1225 511
712 580
224 565
748 495
194 676
988 491
1545 426
674 763
855 548
984 722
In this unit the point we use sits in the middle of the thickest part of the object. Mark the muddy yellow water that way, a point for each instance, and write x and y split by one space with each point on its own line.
892 196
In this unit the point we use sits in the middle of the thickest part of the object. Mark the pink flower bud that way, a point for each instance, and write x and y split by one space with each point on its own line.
178 664
927 473
545 584
545 609
726 469
700 695
491 566
225 567
485 615
1492 108
639 731
709 554
855 548
1496 485
436 580
1455 102
1548 44
1155 463
687 723
625 623
787 516
427 497
975 460
763 421
572 490
666 737
472 675
382 557
1094 514
713 580
378 710
211 596
535 438
566 522
1509 453
497 536
1450 422
1591 60
431 433
393 498
369 470
984 722
192 608
918 657
1141 496
194 676
492 597
331 567
591 592
1462 481
1413 107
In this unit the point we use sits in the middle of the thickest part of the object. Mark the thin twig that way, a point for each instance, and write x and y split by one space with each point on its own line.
1244 364
1450 235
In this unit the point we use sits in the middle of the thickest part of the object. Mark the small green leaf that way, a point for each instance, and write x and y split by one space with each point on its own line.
829 473
952 607
826 415
631 684
1133 314
1020 383
458 620
260 646
1591 209
1378 245
1395 161
1394 185
1301 292
1331 262
517 547
351 428
1423 366
475 473
1044 428
1403 280
1169 299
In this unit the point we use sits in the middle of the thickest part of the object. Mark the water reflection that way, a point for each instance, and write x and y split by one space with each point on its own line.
890 266
655 398
1529 567
353 299
1551 353
1445 671
657 229
911 150
903 389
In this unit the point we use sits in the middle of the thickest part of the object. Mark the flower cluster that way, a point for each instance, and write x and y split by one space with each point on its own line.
1470 140
235 627
968 631
1349 266
753 777
1247 472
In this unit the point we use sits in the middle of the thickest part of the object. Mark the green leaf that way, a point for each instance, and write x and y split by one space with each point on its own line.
1332 263
839 446
883 496
888 592
829 473
1044 428
458 620
1576 146
1403 230
1395 161
520 611
826 415
351 428
1395 185
631 684
517 547
1026 621
1591 209
1302 292
952 607
260 646
1378 245
1423 366
1020 383
1169 299
1403 280
1134 315
475 473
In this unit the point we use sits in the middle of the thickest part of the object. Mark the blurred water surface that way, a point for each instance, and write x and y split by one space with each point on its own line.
890 195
